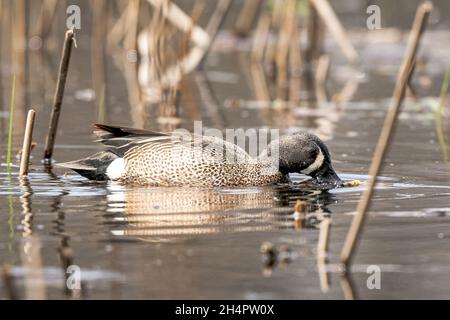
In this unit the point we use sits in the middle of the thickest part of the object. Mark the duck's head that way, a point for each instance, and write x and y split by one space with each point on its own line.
305 153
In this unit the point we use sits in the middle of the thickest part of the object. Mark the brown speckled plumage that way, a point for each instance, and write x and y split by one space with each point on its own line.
180 162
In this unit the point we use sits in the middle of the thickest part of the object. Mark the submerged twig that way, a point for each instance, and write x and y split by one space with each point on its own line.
405 74
26 147
59 95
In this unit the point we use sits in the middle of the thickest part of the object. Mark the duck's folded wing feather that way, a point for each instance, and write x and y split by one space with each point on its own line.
104 131
121 139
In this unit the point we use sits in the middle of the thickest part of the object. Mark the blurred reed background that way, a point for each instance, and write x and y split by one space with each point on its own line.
160 48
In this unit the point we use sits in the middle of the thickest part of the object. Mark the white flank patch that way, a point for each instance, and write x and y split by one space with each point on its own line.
315 165
116 169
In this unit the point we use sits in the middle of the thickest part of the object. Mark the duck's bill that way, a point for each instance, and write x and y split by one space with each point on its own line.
328 179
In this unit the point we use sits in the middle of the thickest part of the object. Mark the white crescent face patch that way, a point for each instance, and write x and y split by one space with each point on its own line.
315 165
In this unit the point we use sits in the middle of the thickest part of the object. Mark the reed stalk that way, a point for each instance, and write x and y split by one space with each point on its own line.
26 147
404 76
59 95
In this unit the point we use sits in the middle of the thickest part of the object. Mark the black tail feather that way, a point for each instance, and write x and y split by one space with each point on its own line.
93 167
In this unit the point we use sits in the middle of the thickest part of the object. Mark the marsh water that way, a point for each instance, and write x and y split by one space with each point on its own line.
164 243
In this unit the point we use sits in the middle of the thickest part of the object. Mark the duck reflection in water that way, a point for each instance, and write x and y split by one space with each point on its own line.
165 214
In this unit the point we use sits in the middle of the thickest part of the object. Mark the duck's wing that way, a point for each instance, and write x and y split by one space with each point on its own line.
121 139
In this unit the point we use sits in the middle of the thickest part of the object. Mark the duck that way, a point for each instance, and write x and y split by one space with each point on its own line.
138 156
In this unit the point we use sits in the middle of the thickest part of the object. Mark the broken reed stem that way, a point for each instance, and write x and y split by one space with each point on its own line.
59 95
333 24
10 130
26 147
420 21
